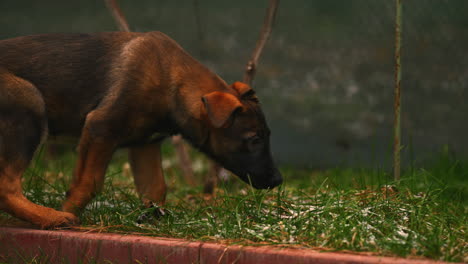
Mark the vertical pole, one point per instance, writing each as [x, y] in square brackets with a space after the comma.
[397, 102]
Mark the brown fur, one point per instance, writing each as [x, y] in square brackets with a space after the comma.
[117, 90]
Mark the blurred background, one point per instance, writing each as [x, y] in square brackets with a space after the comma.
[326, 76]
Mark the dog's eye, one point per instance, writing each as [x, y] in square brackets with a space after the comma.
[250, 136]
[254, 142]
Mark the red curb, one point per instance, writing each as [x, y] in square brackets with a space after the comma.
[214, 253]
[18, 245]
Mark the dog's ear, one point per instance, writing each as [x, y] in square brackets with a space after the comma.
[245, 91]
[220, 107]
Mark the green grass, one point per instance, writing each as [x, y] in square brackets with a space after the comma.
[425, 214]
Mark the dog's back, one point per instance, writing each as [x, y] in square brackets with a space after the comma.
[74, 65]
[59, 60]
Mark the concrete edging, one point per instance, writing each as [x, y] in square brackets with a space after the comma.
[18, 244]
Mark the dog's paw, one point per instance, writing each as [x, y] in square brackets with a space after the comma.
[59, 220]
[154, 212]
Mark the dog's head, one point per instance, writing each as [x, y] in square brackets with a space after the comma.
[239, 137]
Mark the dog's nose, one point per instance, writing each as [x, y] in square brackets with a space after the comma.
[276, 180]
[267, 181]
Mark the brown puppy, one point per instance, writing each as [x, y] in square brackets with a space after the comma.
[119, 90]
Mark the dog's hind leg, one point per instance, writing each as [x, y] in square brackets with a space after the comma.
[22, 125]
[94, 153]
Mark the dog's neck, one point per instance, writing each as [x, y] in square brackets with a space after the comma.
[187, 98]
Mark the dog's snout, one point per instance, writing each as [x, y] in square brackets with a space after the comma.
[271, 181]
[276, 180]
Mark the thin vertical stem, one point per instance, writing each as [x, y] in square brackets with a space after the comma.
[397, 102]
[118, 15]
[264, 35]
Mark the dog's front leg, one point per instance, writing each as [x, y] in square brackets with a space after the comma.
[94, 154]
[145, 162]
